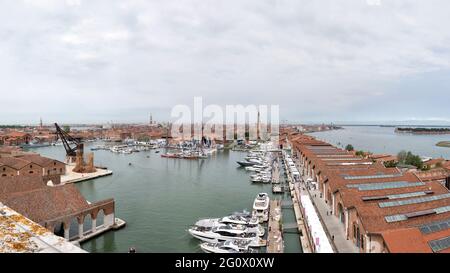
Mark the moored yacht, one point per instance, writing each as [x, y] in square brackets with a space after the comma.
[246, 163]
[223, 233]
[230, 246]
[261, 207]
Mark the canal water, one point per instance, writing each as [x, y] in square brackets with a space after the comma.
[160, 198]
[385, 140]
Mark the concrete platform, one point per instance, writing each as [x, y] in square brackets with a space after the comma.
[275, 242]
[87, 235]
[73, 177]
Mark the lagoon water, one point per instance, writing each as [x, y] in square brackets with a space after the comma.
[384, 140]
[160, 198]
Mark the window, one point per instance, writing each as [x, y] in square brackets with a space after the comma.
[60, 170]
[362, 242]
[48, 172]
[4, 169]
[31, 166]
[30, 172]
[4, 174]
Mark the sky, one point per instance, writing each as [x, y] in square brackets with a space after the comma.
[103, 61]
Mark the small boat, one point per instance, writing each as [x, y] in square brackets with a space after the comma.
[170, 155]
[230, 246]
[157, 151]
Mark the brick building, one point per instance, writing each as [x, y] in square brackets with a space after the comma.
[373, 203]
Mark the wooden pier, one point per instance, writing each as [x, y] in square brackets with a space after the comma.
[275, 243]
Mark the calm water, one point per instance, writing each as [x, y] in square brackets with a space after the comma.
[159, 198]
[385, 140]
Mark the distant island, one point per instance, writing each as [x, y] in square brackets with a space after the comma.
[443, 144]
[423, 130]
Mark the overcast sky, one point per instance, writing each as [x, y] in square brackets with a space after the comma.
[320, 60]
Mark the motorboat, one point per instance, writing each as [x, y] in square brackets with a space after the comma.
[253, 226]
[260, 180]
[264, 176]
[261, 207]
[170, 155]
[230, 246]
[245, 163]
[223, 233]
[241, 218]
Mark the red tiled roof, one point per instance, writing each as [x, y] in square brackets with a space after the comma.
[406, 240]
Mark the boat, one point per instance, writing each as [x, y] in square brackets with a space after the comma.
[237, 220]
[35, 144]
[260, 180]
[217, 222]
[170, 155]
[246, 163]
[223, 233]
[261, 207]
[230, 246]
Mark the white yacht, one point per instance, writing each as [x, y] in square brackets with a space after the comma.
[261, 207]
[238, 218]
[224, 233]
[230, 246]
[260, 180]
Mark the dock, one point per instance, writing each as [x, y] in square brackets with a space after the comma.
[275, 242]
[89, 234]
[73, 177]
[302, 228]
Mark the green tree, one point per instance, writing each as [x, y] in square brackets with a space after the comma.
[349, 147]
[66, 128]
[390, 164]
[359, 153]
[409, 158]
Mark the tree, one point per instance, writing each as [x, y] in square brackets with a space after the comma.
[402, 155]
[66, 128]
[360, 153]
[349, 147]
[409, 158]
[390, 164]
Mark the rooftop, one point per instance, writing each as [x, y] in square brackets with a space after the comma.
[20, 234]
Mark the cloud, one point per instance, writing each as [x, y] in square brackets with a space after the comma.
[82, 61]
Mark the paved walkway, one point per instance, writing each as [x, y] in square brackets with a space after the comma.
[334, 226]
[275, 238]
[73, 177]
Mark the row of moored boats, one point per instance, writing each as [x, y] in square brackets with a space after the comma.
[260, 164]
[240, 232]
